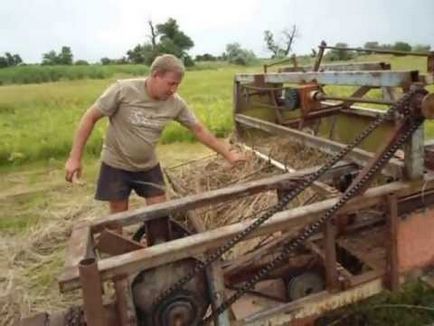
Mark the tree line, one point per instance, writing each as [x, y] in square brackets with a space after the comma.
[169, 38]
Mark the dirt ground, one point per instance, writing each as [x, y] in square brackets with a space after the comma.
[38, 209]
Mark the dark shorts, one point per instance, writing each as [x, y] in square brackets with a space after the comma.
[116, 184]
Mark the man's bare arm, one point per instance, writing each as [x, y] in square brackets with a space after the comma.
[73, 164]
[221, 147]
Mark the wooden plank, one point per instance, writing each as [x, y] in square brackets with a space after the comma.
[200, 243]
[359, 156]
[215, 196]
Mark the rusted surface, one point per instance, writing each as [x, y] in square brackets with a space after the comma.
[330, 256]
[200, 243]
[314, 304]
[416, 240]
[92, 293]
[125, 306]
[368, 246]
[357, 155]
[158, 230]
[392, 230]
[115, 244]
[79, 245]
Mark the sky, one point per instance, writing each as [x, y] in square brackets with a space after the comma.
[108, 28]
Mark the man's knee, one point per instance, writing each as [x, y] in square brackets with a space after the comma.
[117, 206]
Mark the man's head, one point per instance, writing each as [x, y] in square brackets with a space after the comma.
[165, 76]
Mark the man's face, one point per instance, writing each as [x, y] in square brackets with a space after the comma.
[165, 85]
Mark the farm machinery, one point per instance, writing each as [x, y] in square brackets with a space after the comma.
[369, 228]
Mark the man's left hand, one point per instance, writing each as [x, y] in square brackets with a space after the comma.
[235, 157]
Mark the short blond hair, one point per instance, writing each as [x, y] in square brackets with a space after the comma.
[167, 62]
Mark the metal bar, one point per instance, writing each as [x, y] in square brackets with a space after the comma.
[314, 304]
[359, 156]
[330, 257]
[415, 54]
[200, 243]
[392, 229]
[355, 99]
[92, 293]
[124, 303]
[414, 155]
[319, 56]
[323, 188]
[115, 244]
[357, 66]
[213, 272]
[79, 245]
[209, 197]
[376, 78]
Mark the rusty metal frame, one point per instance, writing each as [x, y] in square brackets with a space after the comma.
[197, 244]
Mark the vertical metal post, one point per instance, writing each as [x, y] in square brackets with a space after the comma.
[330, 256]
[414, 155]
[319, 56]
[92, 293]
[392, 227]
[124, 303]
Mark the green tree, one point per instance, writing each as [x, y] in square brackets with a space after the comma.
[237, 55]
[164, 38]
[64, 57]
[81, 63]
[421, 48]
[402, 46]
[10, 60]
[284, 48]
[340, 54]
[372, 45]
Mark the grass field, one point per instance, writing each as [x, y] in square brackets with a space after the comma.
[37, 122]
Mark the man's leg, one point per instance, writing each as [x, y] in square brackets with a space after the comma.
[113, 186]
[155, 199]
[117, 206]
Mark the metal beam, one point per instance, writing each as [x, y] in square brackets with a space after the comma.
[377, 78]
[359, 156]
[356, 66]
[312, 305]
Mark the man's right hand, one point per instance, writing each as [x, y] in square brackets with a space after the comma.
[73, 170]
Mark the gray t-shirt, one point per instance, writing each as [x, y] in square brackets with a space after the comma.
[136, 123]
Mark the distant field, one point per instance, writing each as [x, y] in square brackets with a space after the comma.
[37, 121]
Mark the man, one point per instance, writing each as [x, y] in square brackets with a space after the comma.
[138, 111]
